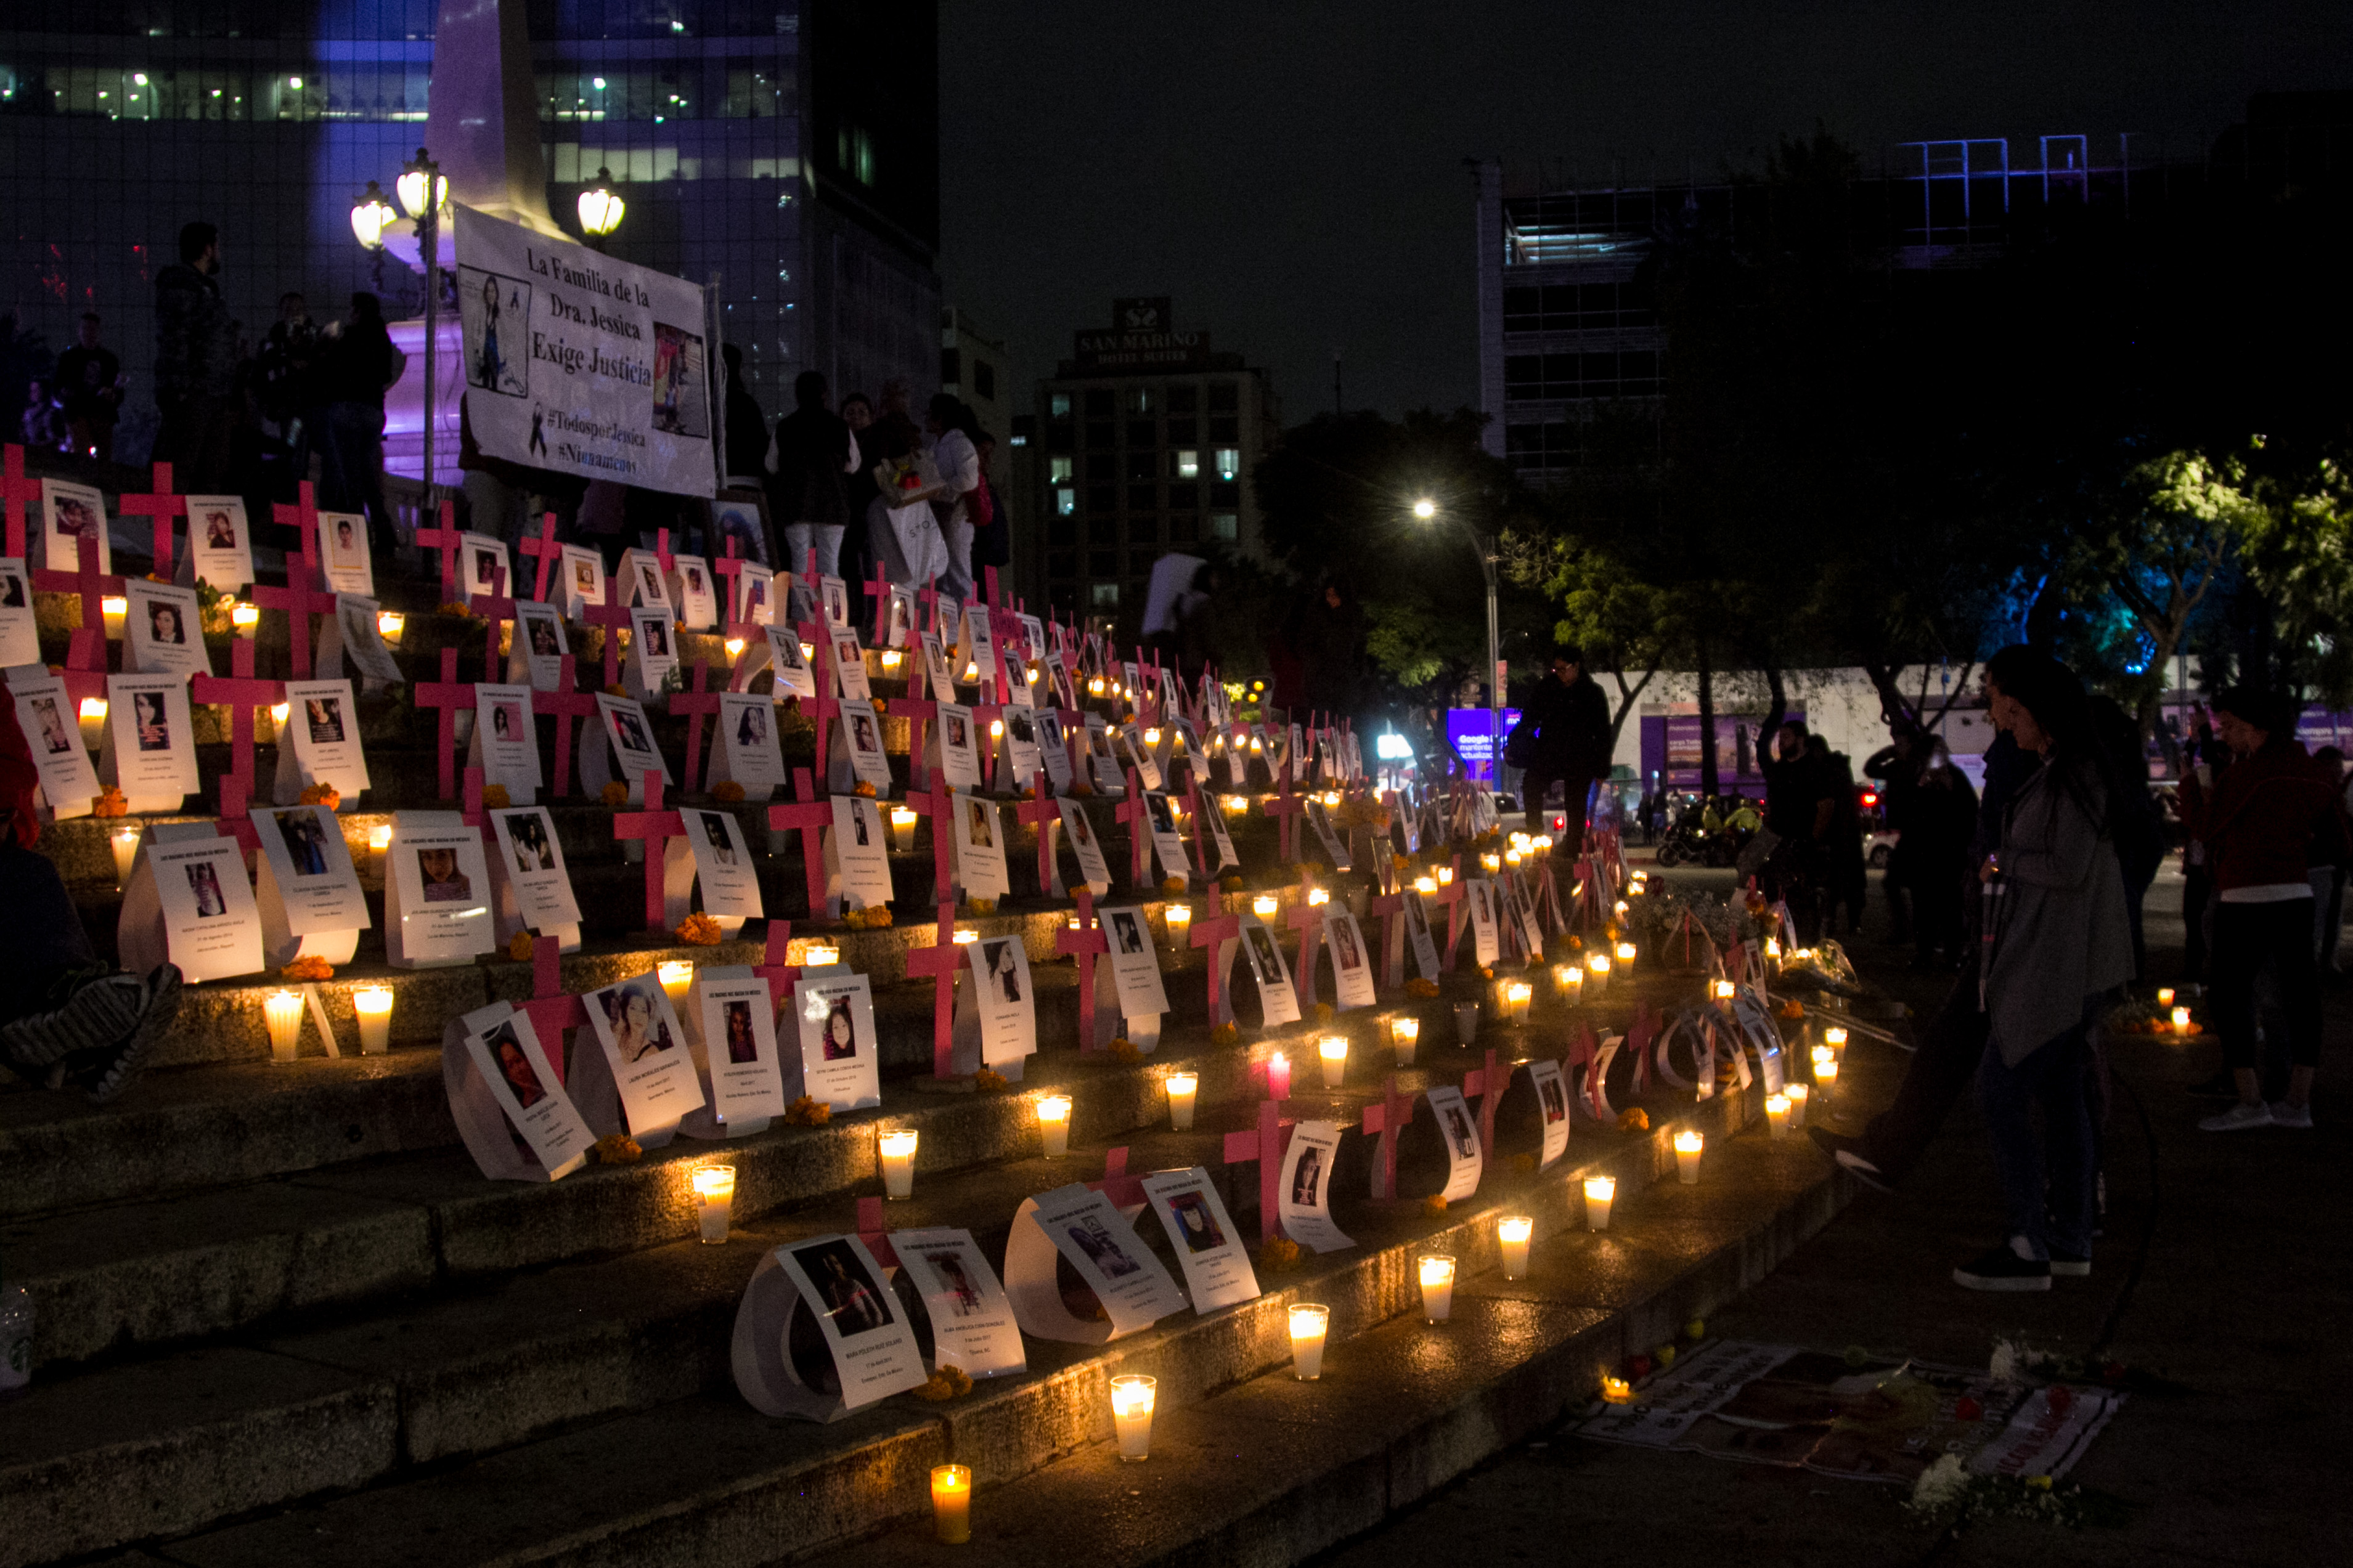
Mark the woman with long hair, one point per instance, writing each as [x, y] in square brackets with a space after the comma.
[2055, 909]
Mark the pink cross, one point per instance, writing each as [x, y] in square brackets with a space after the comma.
[927, 603]
[1639, 1037]
[552, 1008]
[1487, 1083]
[243, 694]
[1042, 811]
[1285, 807]
[90, 583]
[697, 705]
[940, 960]
[1084, 942]
[449, 540]
[657, 827]
[568, 703]
[824, 707]
[1200, 826]
[20, 499]
[939, 804]
[877, 588]
[543, 547]
[1390, 907]
[1123, 1190]
[1266, 1142]
[162, 506]
[919, 713]
[1386, 1120]
[303, 517]
[728, 568]
[872, 1228]
[810, 815]
[235, 818]
[1137, 815]
[496, 609]
[1451, 897]
[613, 615]
[448, 694]
[1207, 932]
[782, 974]
[299, 601]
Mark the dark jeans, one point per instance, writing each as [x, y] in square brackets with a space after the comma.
[2194, 889]
[1536, 783]
[1939, 1074]
[2049, 1199]
[41, 933]
[1936, 903]
[355, 471]
[2244, 936]
[194, 439]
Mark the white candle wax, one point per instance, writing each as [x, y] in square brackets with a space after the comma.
[1688, 1145]
[952, 1503]
[1600, 1192]
[283, 1012]
[676, 975]
[1406, 1035]
[1334, 1050]
[1797, 1094]
[1309, 1325]
[1437, 1286]
[1514, 1232]
[1054, 1124]
[715, 1201]
[1777, 1115]
[373, 1004]
[1131, 1413]
[898, 1148]
[125, 843]
[1182, 1087]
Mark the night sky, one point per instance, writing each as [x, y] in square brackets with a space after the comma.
[1292, 174]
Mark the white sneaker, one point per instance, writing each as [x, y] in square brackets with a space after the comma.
[2242, 1117]
[2286, 1115]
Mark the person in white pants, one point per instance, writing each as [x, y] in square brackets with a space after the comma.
[815, 450]
[950, 424]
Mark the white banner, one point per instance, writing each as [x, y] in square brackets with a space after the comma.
[580, 363]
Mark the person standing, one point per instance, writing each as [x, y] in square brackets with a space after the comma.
[1328, 636]
[195, 365]
[750, 458]
[1563, 737]
[809, 498]
[2328, 878]
[895, 532]
[1798, 813]
[957, 457]
[359, 366]
[1846, 877]
[89, 387]
[2060, 946]
[992, 531]
[860, 490]
[2204, 759]
[2273, 813]
[43, 422]
[1939, 812]
[1895, 769]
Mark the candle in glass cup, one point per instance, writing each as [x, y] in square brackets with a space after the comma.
[1826, 1075]
[1406, 1034]
[283, 1012]
[1777, 1115]
[1334, 1049]
[1426, 885]
[820, 955]
[390, 623]
[1437, 1286]
[93, 721]
[112, 609]
[246, 619]
[1266, 906]
[1466, 1021]
[1835, 1039]
[2165, 996]
[952, 1503]
[1625, 956]
[1723, 989]
[2181, 1020]
[1182, 1087]
[1309, 1325]
[379, 842]
[1054, 1124]
[1797, 1094]
[1514, 1233]
[1600, 1192]
[1180, 923]
[676, 975]
[1278, 1077]
[1688, 1144]
[1571, 978]
[1131, 1413]
[125, 843]
[1597, 973]
[1518, 996]
[1446, 876]
[902, 828]
[715, 1201]
[898, 1150]
[373, 1004]
[1318, 895]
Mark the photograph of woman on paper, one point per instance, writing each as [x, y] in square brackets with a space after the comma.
[631, 731]
[847, 1292]
[861, 734]
[714, 829]
[12, 591]
[346, 546]
[959, 736]
[506, 721]
[164, 626]
[533, 852]
[306, 842]
[326, 718]
[1004, 961]
[220, 533]
[1164, 819]
[444, 882]
[155, 730]
[963, 1296]
[840, 1032]
[752, 728]
[657, 638]
[1196, 1223]
[1344, 945]
[1082, 830]
[204, 881]
[638, 1028]
[583, 576]
[1555, 1103]
[977, 829]
[1105, 1253]
[56, 739]
[743, 1046]
[515, 1068]
[1264, 959]
[1129, 931]
[1465, 1136]
[860, 832]
[544, 643]
[1307, 1178]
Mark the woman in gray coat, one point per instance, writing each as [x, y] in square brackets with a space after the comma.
[2061, 943]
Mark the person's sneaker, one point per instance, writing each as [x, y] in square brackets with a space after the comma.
[2242, 1118]
[2065, 1267]
[2286, 1115]
[97, 1035]
[1848, 1152]
[2006, 1267]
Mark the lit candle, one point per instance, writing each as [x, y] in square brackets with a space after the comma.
[995, 728]
[1798, 1094]
[1466, 1021]
[1318, 895]
[1235, 805]
[1777, 1115]
[2165, 996]
[1131, 1413]
[892, 659]
[1182, 1087]
[1616, 1391]
[1772, 947]
[1309, 1325]
[808, 651]
[390, 623]
[126, 850]
[1723, 989]
[1620, 907]
[1278, 1077]
[1600, 1192]
[1688, 1144]
[734, 649]
[1571, 980]
[676, 975]
[1180, 921]
[715, 1201]
[1152, 737]
[113, 608]
[1518, 996]
[1437, 1286]
[93, 721]
[373, 1006]
[1446, 876]
[1095, 686]
[1826, 1075]
[1406, 1034]
[899, 1163]
[1597, 970]
[1512, 858]
[820, 955]
[282, 1011]
[1054, 1124]
[379, 843]
[965, 934]
[1514, 1232]
[2181, 1020]
[902, 828]
[1491, 862]
[245, 618]
[1426, 885]
[1626, 955]
[1334, 1049]
[1835, 1039]
[952, 1503]
[278, 713]
[1266, 906]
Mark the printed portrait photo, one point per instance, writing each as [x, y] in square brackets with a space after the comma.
[1017, 725]
[583, 576]
[1263, 956]
[346, 541]
[1344, 946]
[12, 591]
[743, 1045]
[1163, 817]
[1082, 830]
[1102, 1249]
[1307, 1178]
[1555, 1102]
[220, 530]
[527, 831]
[638, 1028]
[963, 1296]
[633, 732]
[163, 625]
[72, 517]
[57, 738]
[486, 566]
[714, 827]
[155, 730]
[859, 830]
[325, 717]
[544, 643]
[1002, 961]
[959, 733]
[204, 881]
[861, 733]
[1129, 932]
[515, 1066]
[657, 637]
[506, 721]
[977, 829]
[692, 577]
[1049, 729]
[444, 882]
[840, 1032]
[847, 1293]
[1196, 1223]
[752, 728]
[306, 842]
[650, 584]
[1416, 919]
[1464, 1135]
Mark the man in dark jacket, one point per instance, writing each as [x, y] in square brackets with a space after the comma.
[1564, 735]
[196, 363]
[809, 496]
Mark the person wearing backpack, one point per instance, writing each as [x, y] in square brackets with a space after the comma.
[1563, 737]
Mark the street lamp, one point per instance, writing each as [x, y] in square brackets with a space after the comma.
[600, 209]
[1426, 511]
[370, 216]
[420, 174]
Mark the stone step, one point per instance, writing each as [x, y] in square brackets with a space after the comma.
[703, 1479]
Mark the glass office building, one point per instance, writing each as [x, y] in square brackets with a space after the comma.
[786, 148]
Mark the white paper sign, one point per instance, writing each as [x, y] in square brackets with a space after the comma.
[793, 673]
[1167, 844]
[582, 583]
[506, 742]
[160, 631]
[744, 749]
[1486, 938]
[1054, 750]
[755, 595]
[353, 633]
[540, 645]
[212, 927]
[723, 863]
[580, 363]
[862, 731]
[436, 891]
[71, 514]
[220, 548]
[839, 1050]
[531, 857]
[1207, 1244]
[972, 1322]
[306, 883]
[980, 867]
[642, 1047]
[1352, 965]
[344, 566]
[510, 1063]
[954, 753]
[1080, 831]
[20, 632]
[850, 666]
[857, 860]
[45, 714]
[630, 735]
[736, 1020]
[1136, 969]
[873, 1349]
[1088, 1230]
[150, 741]
[1006, 999]
[1303, 1194]
[1020, 722]
[1460, 1130]
[652, 654]
[1277, 993]
[1418, 934]
[320, 743]
[1552, 1095]
[640, 580]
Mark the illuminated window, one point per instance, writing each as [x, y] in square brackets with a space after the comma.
[1058, 405]
[1225, 525]
[1229, 462]
[1103, 595]
[1058, 470]
[1139, 400]
[1188, 464]
[1066, 502]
